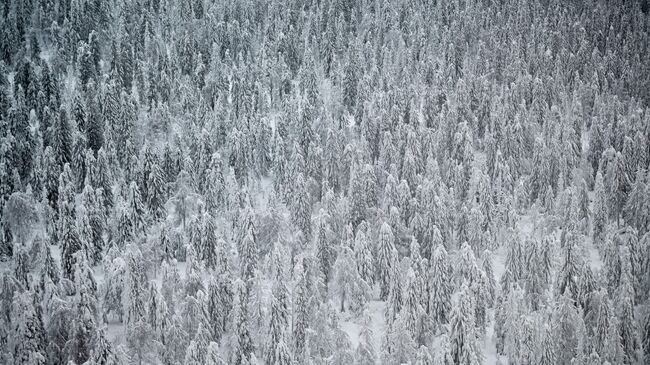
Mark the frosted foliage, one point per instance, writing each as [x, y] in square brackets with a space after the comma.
[324, 182]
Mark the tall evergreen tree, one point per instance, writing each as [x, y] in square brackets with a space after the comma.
[242, 345]
[385, 259]
[463, 340]
[439, 287]
[62, 139]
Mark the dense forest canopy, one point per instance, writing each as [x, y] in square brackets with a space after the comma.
[324, 182]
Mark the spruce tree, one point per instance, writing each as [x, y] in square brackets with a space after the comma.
[385, 259]
[28, 336]
[301, 212]
[439, 287]
[363, 257]
[135, 211]
[209, 250]
[242, 345]
[248, 250]
[463, 341]
[278, 324]
[103, 352]
[325, 254]
[62, 139]
[625, 310]
[352, 290]
[156, 191]
[357, 195]
[301, 311]
[69, 237]
[412, 311]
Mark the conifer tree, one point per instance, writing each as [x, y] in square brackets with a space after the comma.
[83, 329]
[156, 191]
[352, 290]
[103, 352]
[275, 347]
[28, 336]
[463, 340]
[50, 268]
[209, 250]
[301, 212]
[398, 346]
[636, 207]
[625, 310]
[385, 259]
[102, 178]
[324, 251]
[439, 287]
[69, 236]
[242, 344]
[220, 301]
[568, 275]
[567, 322]
[62, 139]
[597, 319]
[301, 311]
[21, 270]
[248, 250]
[547, 352]
[412, 311]
[395, 298]
[135, 210]
[357, 195]
[363, 257]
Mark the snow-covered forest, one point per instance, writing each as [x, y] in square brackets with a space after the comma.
[430, 182]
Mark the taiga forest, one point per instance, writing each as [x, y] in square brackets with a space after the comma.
[325, 182]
